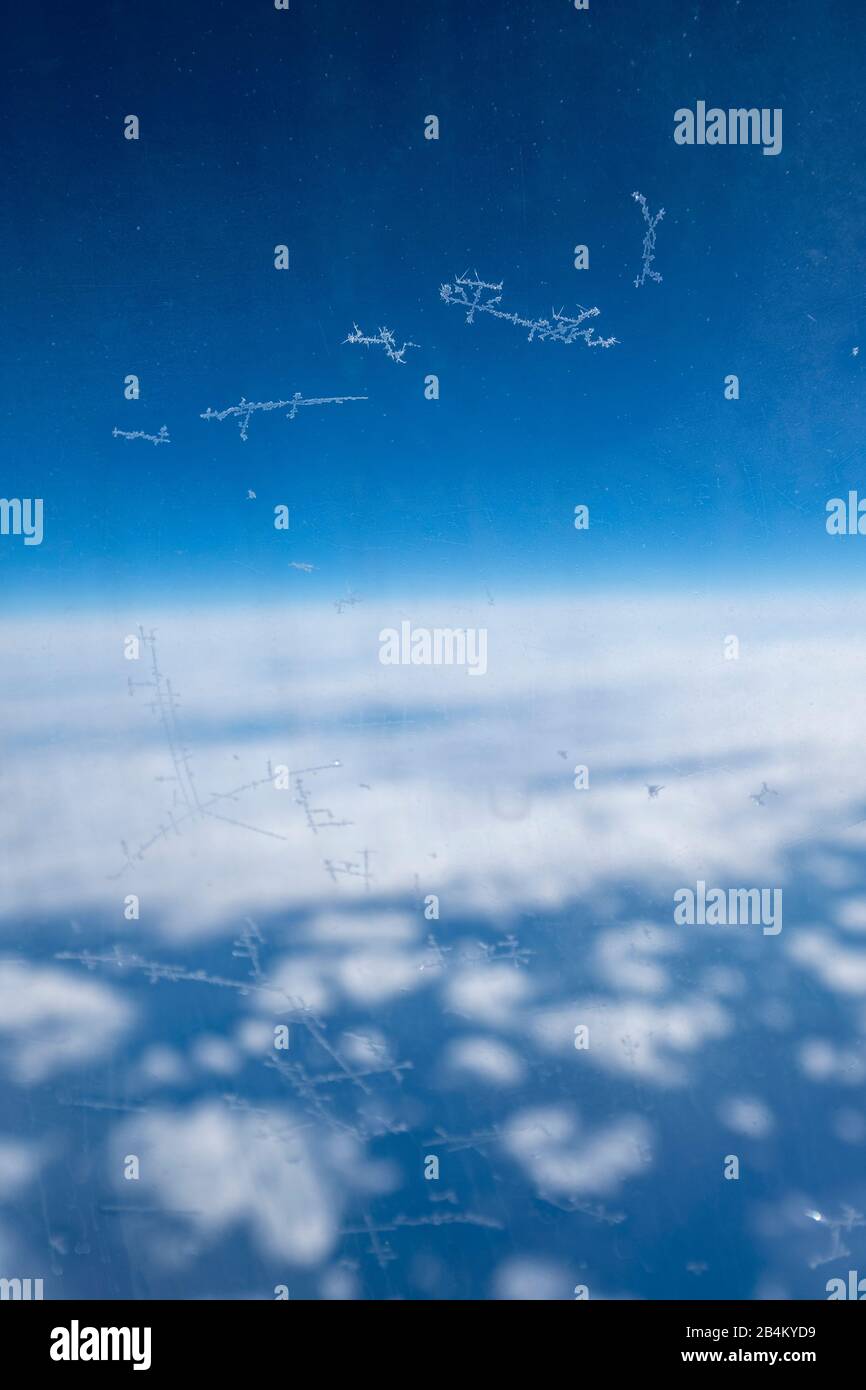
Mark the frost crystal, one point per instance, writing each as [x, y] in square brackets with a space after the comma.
[245, 409]
[351, 867]
[161, 438]
[560, 328]
[649, 242]
[187, 802]
[384, 338]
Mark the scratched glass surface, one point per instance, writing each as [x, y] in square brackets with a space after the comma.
[331, 968]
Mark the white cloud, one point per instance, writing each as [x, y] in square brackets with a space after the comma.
[490, 994]
[840, 969]
[217, 1169]
[160, 1065]
[53, 1020]
[530, 1277]
[564, 1160]
[19, 1165]
[625, 957]
[485, 1059]
[455, 785]
[747, 1115]
[825, 1061]
[851, 914]
[215, 1054]
[633, 1036]
[371, 977]
[360, 928]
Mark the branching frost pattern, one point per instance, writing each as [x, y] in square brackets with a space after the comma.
[385, 339]
[245, 409]
[481, 297]
[649, 243]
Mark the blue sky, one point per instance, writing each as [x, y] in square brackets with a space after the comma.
[306, 128]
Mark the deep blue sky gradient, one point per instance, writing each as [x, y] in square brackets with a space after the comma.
[260, 127]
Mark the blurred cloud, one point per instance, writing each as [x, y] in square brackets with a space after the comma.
[564, 1159]
[747, 1115]
[53, 1020]
[215, 1170]
[485, 1059]
[632, 1035]
[527, 1277]
[553, 909]
[428, 759]
[19, 1165]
